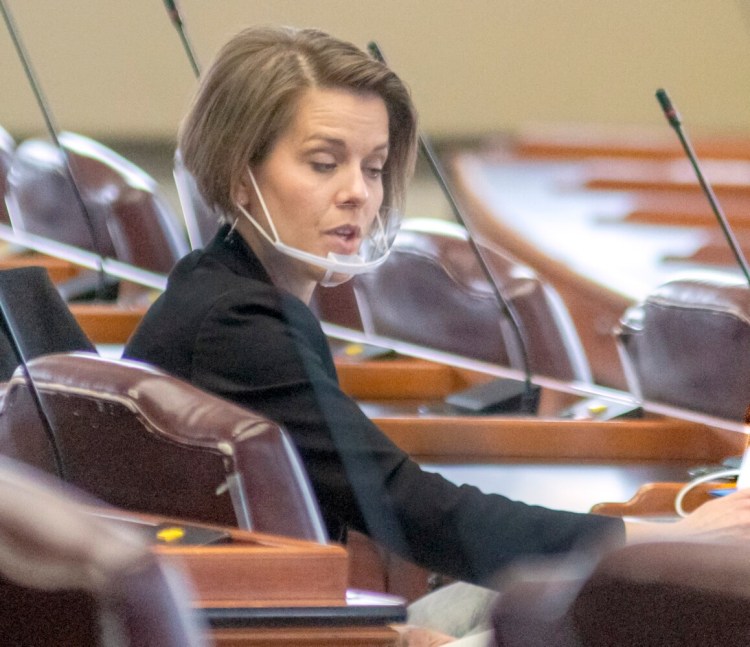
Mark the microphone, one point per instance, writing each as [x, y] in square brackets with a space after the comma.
[176, 18]
[500, 395]
[52, 130]
[673, 117]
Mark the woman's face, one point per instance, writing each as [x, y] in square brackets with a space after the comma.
[322, 181]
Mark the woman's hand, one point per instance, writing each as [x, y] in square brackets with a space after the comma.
[411, 636]
[723, 519]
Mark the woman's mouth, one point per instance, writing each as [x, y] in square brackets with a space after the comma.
[347, 238]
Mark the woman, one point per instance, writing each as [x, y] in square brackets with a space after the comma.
[304, 145]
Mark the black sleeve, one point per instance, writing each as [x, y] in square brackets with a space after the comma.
[269, 356]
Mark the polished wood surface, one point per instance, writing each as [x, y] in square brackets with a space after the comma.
[544, 460]
[258, 570]
[103, 322]
[587, 140]
[256, 589]
[108, 323]
[306, 637]
[399, 395]
[656, 500]
[58, 269]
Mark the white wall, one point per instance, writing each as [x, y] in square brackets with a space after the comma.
[116, 69]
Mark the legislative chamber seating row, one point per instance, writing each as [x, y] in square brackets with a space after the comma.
[639, 331]
[664, 279]
[113, 210]
[432, 276]
[444, 283]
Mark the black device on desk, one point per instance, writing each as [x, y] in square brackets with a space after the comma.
[497, 396]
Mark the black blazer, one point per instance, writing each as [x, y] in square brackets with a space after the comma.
[222, 325]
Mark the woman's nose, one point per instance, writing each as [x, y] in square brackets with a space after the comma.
[354, 189]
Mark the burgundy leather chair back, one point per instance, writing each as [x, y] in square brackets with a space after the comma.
[59, 587]
[7, 148]
[663, 594]
[687, 344]
[432, 292]
[142, 440]
[128, 218]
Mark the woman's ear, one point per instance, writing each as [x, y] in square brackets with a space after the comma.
[243, 190]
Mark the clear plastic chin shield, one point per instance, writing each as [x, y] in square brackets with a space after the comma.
[374, 249]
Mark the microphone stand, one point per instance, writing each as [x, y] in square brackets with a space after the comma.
[673, 117]
[505, 394]
[176, 18]
[675, 121]
[53, 130]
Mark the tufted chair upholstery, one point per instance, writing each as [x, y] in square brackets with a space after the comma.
[687, 344]
[142, 440]
[432, 292]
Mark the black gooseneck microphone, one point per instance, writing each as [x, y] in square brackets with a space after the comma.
[673, 117]
[53, 130]
[176, 17]
[500, 395]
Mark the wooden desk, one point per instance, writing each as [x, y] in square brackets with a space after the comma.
[107, 323]
[261, 590]
[545, 460]
[588, 140]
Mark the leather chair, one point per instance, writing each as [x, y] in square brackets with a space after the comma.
[71, 577]
[142, 440]
[664, 594]
[432, 292]
[687, 344]
[7, 148]
[126, 217]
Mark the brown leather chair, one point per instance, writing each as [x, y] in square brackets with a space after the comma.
[664, 594]
[687, 344]
[71, 577]
[7, 148]
[432, 292]
[126, 217]
[142, 440]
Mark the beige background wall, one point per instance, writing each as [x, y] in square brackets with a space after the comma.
[116, 69]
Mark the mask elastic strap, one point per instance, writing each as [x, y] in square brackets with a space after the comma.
[263, 205]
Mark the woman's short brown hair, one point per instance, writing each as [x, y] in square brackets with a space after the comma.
[248, 97]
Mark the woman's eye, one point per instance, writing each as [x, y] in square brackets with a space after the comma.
[323, 167]
[374, 172]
